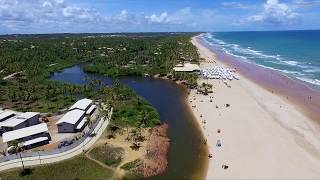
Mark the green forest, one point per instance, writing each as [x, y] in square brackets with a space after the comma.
[33, 59]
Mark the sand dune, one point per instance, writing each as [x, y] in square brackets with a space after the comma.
[263, 136]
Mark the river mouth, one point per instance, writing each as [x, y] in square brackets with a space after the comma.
[187, 155]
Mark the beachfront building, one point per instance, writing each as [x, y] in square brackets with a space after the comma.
[75, 119]
[28, 137]
[187, 67]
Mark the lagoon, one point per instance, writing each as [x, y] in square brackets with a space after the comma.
[187, 156]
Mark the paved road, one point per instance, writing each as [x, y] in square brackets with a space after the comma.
[47, 159]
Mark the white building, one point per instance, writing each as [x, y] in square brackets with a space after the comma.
[29, 137]
[4, 115]
[72, 121]
[187, 67]
[91, 109]
[20, 121]
[83, 104]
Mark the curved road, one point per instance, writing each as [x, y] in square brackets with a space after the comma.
[47, 159]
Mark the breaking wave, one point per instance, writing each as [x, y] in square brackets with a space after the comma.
[298, 69]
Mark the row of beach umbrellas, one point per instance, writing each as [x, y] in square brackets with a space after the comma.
[218, 72]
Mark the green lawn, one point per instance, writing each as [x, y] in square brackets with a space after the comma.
[77, 168]
[108, 155]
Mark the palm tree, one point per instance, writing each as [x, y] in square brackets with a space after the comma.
[89, 121]
[104, 109]
[143, 118]
[17, 148]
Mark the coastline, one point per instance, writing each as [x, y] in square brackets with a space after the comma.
[263, 134]
[293, 90]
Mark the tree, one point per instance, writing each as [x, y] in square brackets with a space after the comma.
[17, 148]
[143, 118]
[89, 121]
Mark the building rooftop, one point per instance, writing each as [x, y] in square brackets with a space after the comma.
[14, 121]
[187, 67]
[82, 104]
[34, 141]
[24, 132]
[28, 115]
[91, 109]
[82, 123]
[6, 114]
[71, 117]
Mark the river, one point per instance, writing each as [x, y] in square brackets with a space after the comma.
[187, 156]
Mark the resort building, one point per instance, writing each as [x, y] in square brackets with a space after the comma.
[187, 67]
[28, 137]
[91, 109]
[4, 115]
[20, 121]
[83, 104]
[74, 120]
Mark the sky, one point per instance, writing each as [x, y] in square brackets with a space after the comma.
[102, 16]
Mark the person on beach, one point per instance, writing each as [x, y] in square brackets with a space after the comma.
[219, 143]
[225, 166]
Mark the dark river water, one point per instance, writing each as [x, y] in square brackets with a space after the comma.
[187, 156]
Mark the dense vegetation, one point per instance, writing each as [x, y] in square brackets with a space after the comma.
[138, 56]
[34, 58]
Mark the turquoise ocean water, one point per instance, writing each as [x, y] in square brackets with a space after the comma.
[295, 53]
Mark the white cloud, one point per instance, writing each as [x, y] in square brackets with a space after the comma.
[304, 3]
[50, 16]
[238, 5]
[26, 15]
[162, 18]
[275, 12]
[47, 4]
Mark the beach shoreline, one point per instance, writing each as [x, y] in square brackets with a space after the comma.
[291, 89]
[263, 134]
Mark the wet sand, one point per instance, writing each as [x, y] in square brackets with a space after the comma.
[262, 133]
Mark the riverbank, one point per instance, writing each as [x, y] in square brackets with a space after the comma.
[169, 99]
[133, 152]
[262, 134]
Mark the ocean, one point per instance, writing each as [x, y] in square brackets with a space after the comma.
[294, 53]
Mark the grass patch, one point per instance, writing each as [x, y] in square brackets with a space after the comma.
[131, 165]
[77, 168]
[132, 175]
[111, 156]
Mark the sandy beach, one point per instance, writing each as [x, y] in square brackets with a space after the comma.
[263, 136]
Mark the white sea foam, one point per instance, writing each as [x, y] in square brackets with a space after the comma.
[248, 54]
[292, 63]
[312, 70]
[311, 81]
[292, 72]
